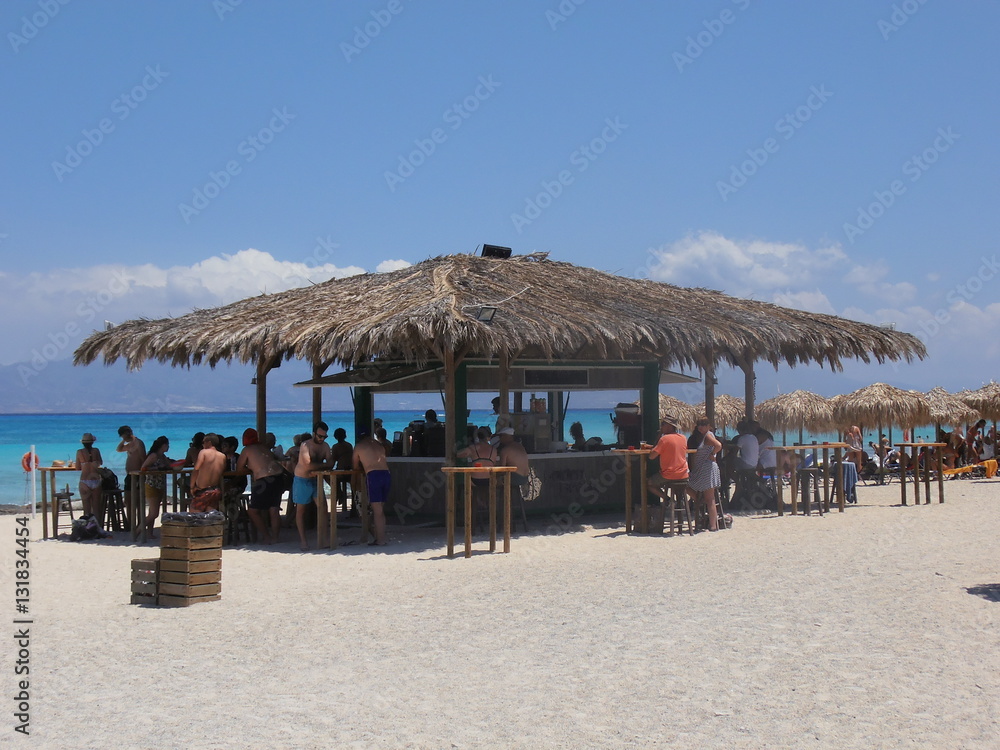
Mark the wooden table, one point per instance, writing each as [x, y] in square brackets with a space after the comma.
[916, 472]
[642, 453]
[51, 471]
[356, 483]
[628, 454]
[468, 471]
[837, 458]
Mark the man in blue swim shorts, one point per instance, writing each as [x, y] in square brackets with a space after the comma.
[369, 457]
[314, 455]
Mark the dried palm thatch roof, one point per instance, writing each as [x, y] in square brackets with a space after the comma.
[729, 410]
[545, 309]
[796, 410]
[685, 413]
[884, 405]
[946, 408]
[985, 400]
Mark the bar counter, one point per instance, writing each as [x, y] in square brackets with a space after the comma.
[572, 484]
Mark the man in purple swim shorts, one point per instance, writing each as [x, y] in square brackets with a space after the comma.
[369, 457]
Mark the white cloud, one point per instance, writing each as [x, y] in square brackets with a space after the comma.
[391, 265]
[744, 268]
[810, 301]
[61, 306]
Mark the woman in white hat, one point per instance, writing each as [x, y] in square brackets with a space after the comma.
[88, 461]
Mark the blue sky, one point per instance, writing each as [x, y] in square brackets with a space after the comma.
[838, 157]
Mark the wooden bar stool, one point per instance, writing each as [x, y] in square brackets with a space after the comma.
[679, 506]
[809, 480]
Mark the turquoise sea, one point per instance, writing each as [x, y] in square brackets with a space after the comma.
[56, 437]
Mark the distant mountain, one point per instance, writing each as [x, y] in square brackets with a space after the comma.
[59, 387]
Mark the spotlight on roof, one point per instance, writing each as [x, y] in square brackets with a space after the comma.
[495, 251]
[485, 314]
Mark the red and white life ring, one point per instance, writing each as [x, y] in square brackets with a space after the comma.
[27, 459]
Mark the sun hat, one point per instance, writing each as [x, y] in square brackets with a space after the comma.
[506, 431]
[669, 419]
[88, 437]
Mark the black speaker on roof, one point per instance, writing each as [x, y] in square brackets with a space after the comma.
[495, 251]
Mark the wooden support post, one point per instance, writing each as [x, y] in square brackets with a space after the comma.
[468, 515]
[940, 473]
[450, 513]
[492, 510]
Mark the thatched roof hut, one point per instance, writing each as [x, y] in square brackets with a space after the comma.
[545, 309]
[795, 411]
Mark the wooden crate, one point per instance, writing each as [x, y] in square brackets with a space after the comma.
[145, 576]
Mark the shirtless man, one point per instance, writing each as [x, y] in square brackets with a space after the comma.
[88, 461]
[267, 487]
[136, 456]
[340, 454]
[512, 453]
[369, 457]
[314, 456]
[206, 479]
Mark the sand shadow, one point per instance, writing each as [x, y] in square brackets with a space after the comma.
[989, 591]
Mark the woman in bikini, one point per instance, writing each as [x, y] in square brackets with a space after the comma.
[481, 453]
[156, 484]
[88, 461]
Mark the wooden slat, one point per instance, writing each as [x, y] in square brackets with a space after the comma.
[165, 600]
[146, 563]
[180, 589]
[192, 555]
[190, 566]
[172, 528]
[196, 542]
[144, 588]
[142, 599]
[190, 579]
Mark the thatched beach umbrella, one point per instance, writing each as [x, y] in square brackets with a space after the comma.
[946, 408]
[686, 413]
[796, 410]
[985, 400]
[882, 405]
[729, 411]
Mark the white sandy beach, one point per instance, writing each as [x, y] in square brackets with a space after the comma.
[851, 630]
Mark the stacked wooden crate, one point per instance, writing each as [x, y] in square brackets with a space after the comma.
[190, 564]
[145, 575]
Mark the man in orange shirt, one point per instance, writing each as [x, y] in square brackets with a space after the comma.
[671, 450]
